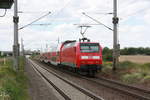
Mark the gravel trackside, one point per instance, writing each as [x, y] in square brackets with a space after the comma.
[38, 89]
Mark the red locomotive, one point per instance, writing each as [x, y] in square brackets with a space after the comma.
[80, 56]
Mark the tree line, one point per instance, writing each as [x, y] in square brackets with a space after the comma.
[135, 51]
[107, 53]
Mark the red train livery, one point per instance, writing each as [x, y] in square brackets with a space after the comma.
[81, 56]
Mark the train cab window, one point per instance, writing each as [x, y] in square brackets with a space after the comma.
[89, 47]
[72, 44]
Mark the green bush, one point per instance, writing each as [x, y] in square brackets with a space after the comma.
[132, 78]
[107, 54]
[146, 66]
[4, 95]
[13, 83]
[15, 88]
[127, 65]
[146, 78]
[107, 66]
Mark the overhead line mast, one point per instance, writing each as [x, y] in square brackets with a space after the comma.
[116, 45]
[16, 44]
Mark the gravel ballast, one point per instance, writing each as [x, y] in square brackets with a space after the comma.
[38, 89]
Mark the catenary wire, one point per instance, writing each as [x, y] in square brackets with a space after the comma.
[98, 21]
[34, 21]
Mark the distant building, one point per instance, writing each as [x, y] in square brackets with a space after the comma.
[10, 53]
[6, 53]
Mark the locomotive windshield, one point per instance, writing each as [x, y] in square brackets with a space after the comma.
[89, 47]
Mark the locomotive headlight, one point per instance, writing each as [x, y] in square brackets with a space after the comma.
[96, 57]
[84, 57]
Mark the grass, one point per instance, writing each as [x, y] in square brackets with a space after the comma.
[13, 85]
[128, 72]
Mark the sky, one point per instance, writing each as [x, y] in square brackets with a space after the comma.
[133, 27]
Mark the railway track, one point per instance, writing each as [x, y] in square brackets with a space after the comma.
[128, 89]
[137, 93]
[71, 92]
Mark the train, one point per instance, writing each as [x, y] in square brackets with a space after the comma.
[83, 56]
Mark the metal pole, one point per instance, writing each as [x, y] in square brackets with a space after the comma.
[16, 44]
[115, 38]
[22, 47]
[58, 40]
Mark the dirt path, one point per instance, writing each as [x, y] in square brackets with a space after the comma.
[38, 89]
[141, 59]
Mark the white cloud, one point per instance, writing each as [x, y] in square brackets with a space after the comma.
[65, 13]
[147, 17]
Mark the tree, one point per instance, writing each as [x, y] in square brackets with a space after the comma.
[107, 54]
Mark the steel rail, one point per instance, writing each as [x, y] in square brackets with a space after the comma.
[125, 85]
[83, 90]
[127, 92]
[59, 90]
